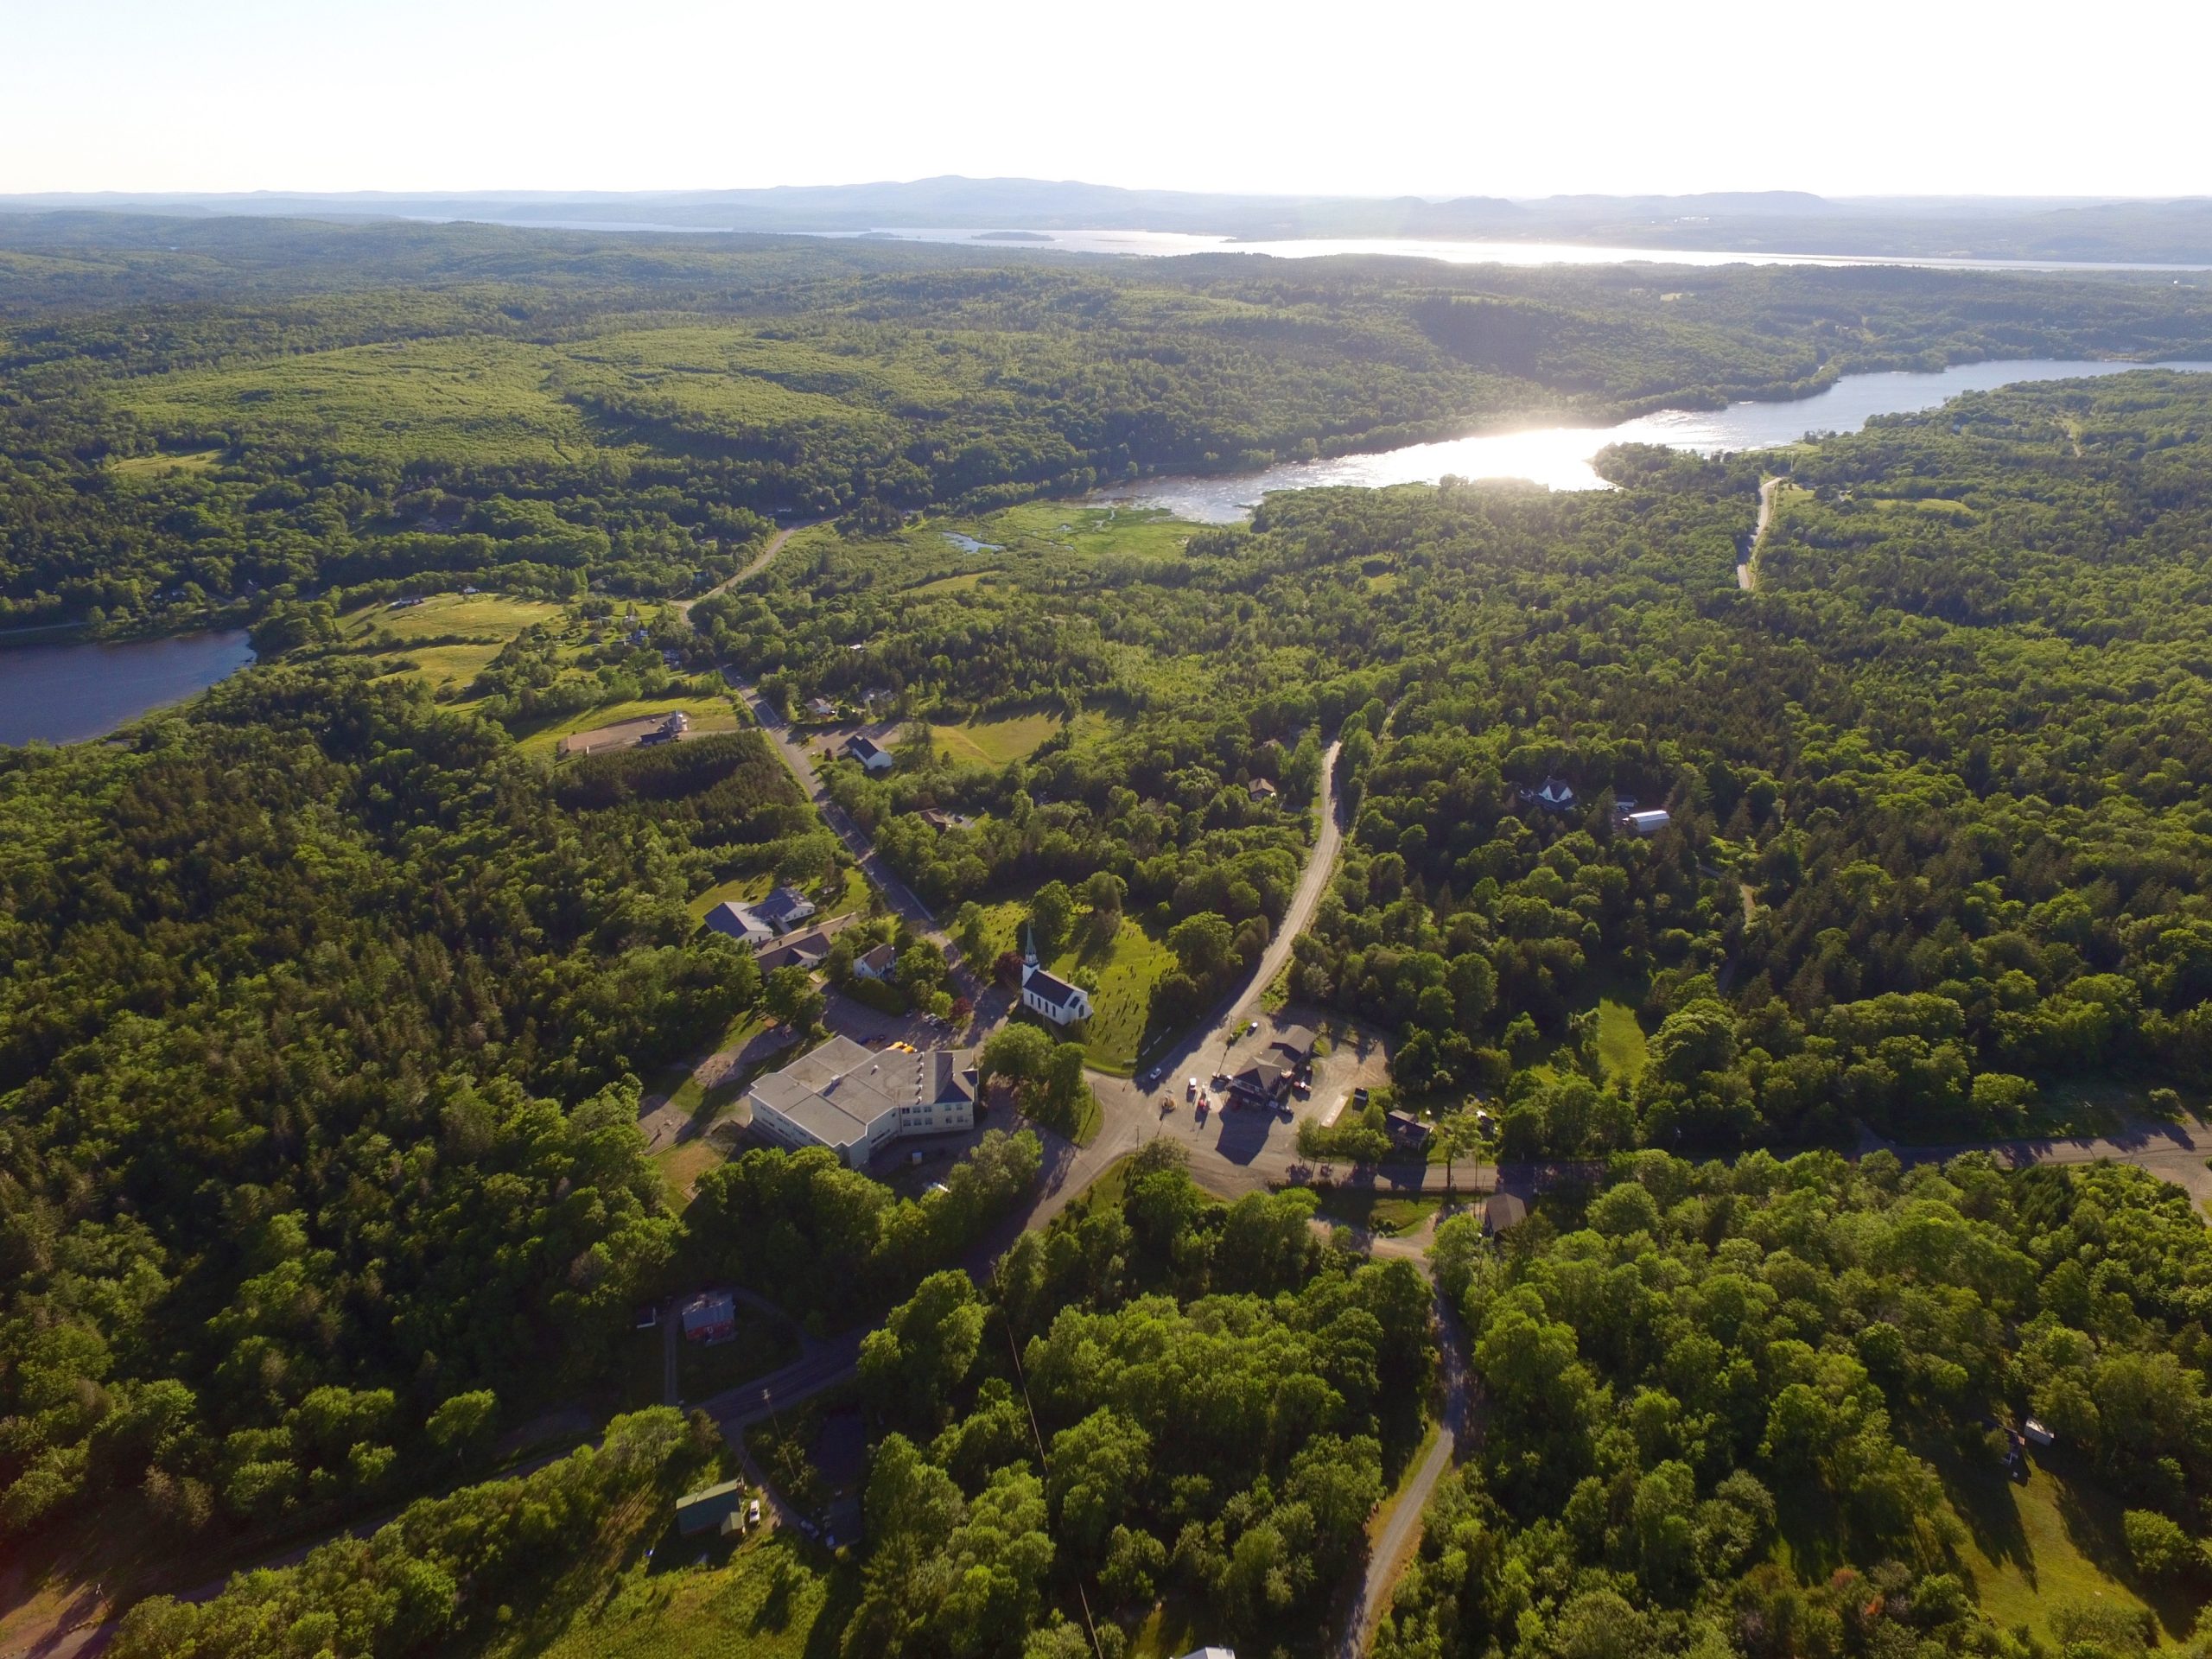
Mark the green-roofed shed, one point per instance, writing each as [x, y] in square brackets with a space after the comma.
[705, 1510]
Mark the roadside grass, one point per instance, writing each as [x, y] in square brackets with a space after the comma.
[776, 1597]
[994, 742]
[714, 713]
[1377, 1212]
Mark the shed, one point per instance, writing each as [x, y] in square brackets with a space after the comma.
[1645, 824]
[706, 1509]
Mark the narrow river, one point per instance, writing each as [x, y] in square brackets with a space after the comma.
[1558, 456]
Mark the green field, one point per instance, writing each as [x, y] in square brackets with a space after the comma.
[771, 1601]
[994, 742]
[1621, 1043]
[488, 620]
[161, 466]
[489, 400]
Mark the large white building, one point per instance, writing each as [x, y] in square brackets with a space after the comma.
[856, 1103]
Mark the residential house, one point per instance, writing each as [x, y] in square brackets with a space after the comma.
[1503, 1211]
[711, 1316]
[855, 1103]
[784, 908]
[1554, 795]
[1260, 790]
[1642, 823]
[878, 964]
[806, 950]
[742, 923]
[706, 1509]
[939, 820]
[871, 755]
[1406, 1129]
[822, 707]
[1047, 996]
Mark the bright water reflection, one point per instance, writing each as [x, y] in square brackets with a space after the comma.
[1559, 457]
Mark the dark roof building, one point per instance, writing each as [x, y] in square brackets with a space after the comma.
[1553, 794]
[742, 923]
[784, 907]
[1502, 1212]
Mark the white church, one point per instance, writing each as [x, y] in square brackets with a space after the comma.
[1048, 996]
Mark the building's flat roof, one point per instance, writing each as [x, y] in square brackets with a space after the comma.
[834, 1092]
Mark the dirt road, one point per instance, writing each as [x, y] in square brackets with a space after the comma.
[1747, 573]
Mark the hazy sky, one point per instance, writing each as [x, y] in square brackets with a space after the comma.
[1379, 97]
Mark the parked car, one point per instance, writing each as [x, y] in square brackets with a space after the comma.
[752, 1513]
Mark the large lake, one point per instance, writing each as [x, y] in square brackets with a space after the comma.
[64, 693]
[1558, 456]
[1169, 243]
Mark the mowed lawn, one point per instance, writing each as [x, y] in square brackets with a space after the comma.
[2035, 1545]
[708, 714]
[1119, 974]
[770, 1601]
[994, 742]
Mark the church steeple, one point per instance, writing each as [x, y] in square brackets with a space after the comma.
[1029, 944]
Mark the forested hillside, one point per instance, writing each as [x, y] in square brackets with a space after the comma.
[318, 1050]
[201, 419]
[1939, 832]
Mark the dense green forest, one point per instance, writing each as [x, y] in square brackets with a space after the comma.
[319, 1052]
[221, 419]
[1751, 1410]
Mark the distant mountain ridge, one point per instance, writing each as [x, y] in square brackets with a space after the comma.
[2095, 229]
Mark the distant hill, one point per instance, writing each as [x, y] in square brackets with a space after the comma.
[2159, 232]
